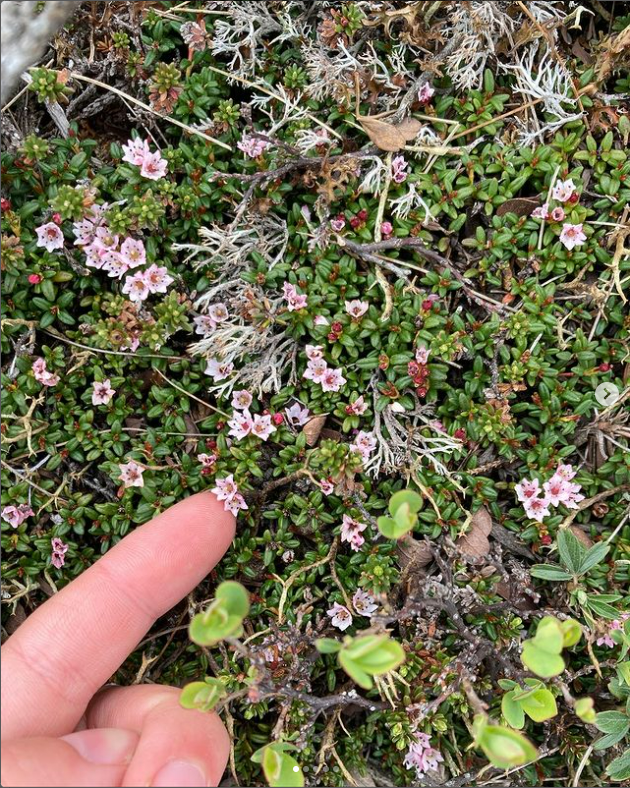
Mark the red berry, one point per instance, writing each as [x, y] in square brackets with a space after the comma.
[546, 539]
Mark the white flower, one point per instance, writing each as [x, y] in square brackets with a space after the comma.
[563, 190]
[131, 474]
[340, 615]
[296, 415]
[102, 392]
[218, 370]
[364, 603]
[572, 235]
[49, 236]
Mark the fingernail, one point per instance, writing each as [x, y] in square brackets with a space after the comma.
[104, 745]
[183, 774]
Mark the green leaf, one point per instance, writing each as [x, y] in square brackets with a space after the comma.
[601, 608]
[571, 550]
[327, 645]
[512, 711]
[392, 529]
[279, 768]
[571, 632]
[409, 497]
[549, 572]
[202, 695]
[594, 556]
[541, 654]
[503, 747]
[540, 706]
[619, 769]
[584, 708]
[370, 655]
[224, 616]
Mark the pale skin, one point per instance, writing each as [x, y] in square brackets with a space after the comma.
[60, 726]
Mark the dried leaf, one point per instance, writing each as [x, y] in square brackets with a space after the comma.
[413, 551]
[585, 539]
[474, 543]
[521, 206]
[388, 137]
[313, 428]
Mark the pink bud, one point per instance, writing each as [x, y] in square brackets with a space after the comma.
[56, 217]
[35, 279]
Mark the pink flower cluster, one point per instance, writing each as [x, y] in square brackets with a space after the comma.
[243, 423]
[351, 532]
[42, 373]
[131, 474]
[363, 603]
[102, 392]
[16, 515]
[206, 324]
[364, 443]
[337, 224]
[252, 146]
[357, 308]
[615, 626]
[58, 552]
[319, 372]
[294, 299]
[558, 490]
[572, 235]
[227, 491]
[421, 756]
[207, 462]
[425, 93]
[399, 169]
[138, 153]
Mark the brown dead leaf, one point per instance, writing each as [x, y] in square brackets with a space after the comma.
[313, 428]
[521, 206]
[582, 537]
[413, 551]
[474, 543]
[387, 136]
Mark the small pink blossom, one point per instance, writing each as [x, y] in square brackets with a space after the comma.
[42, 374]
[326, 486]
[294, 299]
[49, 236]
[526, 490]
[351, 530]
[252, 146]
[572, 235]
[614, 626]
[204, 325]
[240, 424]
[421, 756]
[16, 515]
[225, 488]
[133, 252]
[157, 278]
[422, 355]
[58, 552]
[358, 407]
[218, 370]
[102, 392]
[263, 427]
[606, 640]
[364, 603]
[135, 151]
[333, 380]
[357, 308]
[338, 223]
[207, 460]
[219, 312]
[153, 166]
[106, 238]
[566, 472]
[399, 167]
[241, 399]
[114, 264]
[235, 504]
[131, 474]
[316, 370]
[296, 415]
[558, 214]
[320, 320]
[425, 93]
[364, 443]
[314, 352]
[84, 232]
[563, 190]
[387, 228]
[136, 287]
[95, 255]
[340, 616]
[573, 497]
[537, 508]
[542, 212]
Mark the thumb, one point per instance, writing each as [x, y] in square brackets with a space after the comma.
[97, 757]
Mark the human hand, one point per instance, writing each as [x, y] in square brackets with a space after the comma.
[59, 728]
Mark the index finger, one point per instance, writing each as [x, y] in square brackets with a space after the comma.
[72, 644]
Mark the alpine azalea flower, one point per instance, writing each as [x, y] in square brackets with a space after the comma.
[226, 488]
[242, 399]
[252, 146]
[157, 278]
[135, 151]
[218, 370]
[49, 236]
[387, 228]
[218, 312]
[235, 504]
[320, 320]
[399, 167]
[421, 756]
[526, 490]
[364, 603]
[563, 190]
[296, 415]
[294, 299]
[340, 616]
[313, 352]
[357, 308]
[58, 552]
[42, 373]
[131, 474]
[357, 408]
[204, 325]
[338, 224]
[326, 486]
[558, 214]
[542, 212]
[537, 508]
[315, 370]
[102, 392]
[262, 427]
[16, 515]
[332, 380]
[364, 443]
[153, 166]
[133, 252]
[572, 235]
[207, 460]
[106, 239]
[136, 287]
[351, 531]
[422, 355]
[240, 424]
[425, 93]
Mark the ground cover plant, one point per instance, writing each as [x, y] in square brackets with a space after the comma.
[358, 268]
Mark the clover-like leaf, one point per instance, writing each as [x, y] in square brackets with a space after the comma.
[409, 497]
[223, 618]
[202, 695]
[541, 654]
[370, 655]
[503, 747]
[327, 645]
[540, 705]
[280, 769]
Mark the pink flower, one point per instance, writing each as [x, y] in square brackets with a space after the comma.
[364, 603]
[136, 287]
[16, 515]
[114, 264]
[35, 279]
[133, 252]
[357, 408]
[326, 486]
[542, 212]
[563, 190]
[204, 325]
[153, 166]
[399, 166]
[131, 474]
[157, 278]
[558, 214]
[422, 355]
[573, 496]
[572, 235]
[242, 399]
[333, 380]
[425, 93]
[106, 238]
[49, 236]
[387, 228]
[96, 255]
[102, 392]
[338, 224]
[240, 424]
[340, 616]
[296, 415]
[566, 472]
[252, 146]
[351, 531]
[58, 554]
[294, 299]
[537, 508]
[226, 488]
[421, 756]
[84, 232]
[263, 427]
[42, 374]
[218, 370]
[135, 151]
[557, 490]
[320, 320]
[314, 352]
[207, 460]
[606, 640]
[526, 490]
[316, 370]
[218, 312]
[357, 308]
[364, 443]
[235, 504]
